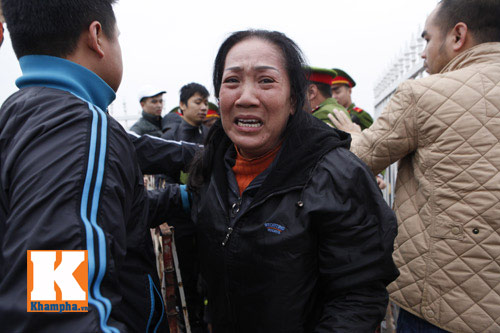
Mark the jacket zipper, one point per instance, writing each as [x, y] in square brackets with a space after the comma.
[235, 208]
[226, 273]
[226, 239]
[228, 234]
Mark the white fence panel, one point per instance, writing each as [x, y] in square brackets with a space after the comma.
[407, 65]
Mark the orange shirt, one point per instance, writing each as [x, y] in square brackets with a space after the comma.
[246, 169]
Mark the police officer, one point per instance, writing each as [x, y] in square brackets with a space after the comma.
[342, 85]
[319, 93]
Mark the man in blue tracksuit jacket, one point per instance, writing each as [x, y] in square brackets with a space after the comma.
[69, 177]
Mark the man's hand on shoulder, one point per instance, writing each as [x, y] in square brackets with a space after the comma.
[343, 123]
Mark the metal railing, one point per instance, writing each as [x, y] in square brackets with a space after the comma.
[407, 65]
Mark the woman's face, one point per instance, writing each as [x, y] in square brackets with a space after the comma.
[255, 96]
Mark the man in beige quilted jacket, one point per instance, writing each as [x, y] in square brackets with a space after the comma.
[445, 132]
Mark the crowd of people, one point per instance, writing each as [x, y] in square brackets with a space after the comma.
[274, 193]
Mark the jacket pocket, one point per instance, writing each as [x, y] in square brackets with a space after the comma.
[446, 229]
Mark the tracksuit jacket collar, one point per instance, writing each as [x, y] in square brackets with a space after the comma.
[59, 73]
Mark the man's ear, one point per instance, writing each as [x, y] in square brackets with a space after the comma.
[460, 34]
[312, 92]
[182, 106]
[95, 38]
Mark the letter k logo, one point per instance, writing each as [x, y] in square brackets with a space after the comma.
[46, 269]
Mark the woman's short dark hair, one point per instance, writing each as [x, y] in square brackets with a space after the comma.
[481, 16]
[188, 90]
[53, 27]
[292, 56]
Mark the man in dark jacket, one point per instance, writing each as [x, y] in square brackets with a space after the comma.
[69, 178]
[151, 100]
[194, 106]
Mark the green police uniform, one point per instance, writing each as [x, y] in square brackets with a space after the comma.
[324, 109]
[325, 77]
[360, 116]
[357, 115]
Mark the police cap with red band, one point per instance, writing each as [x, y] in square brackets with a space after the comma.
[321, 75]
[213, 110]
[343, 78]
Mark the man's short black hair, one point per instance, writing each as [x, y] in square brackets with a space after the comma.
[324, 89]
[481, 16]
[53, 27]
[190, 89]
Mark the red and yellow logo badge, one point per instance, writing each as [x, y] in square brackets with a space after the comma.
[57, 281]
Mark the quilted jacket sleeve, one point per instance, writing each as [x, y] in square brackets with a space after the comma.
[356, 231]
[392, 136]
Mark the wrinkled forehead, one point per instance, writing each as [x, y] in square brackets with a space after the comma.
[254, 51]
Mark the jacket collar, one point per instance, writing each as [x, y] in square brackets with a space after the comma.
[189, 127]
[62, 74]
[327, 101]
[307, 140]
[481, 53]
[155, 120]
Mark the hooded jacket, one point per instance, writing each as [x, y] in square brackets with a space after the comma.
[310, 251]
[444, 129]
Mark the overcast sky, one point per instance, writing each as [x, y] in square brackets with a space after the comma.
[171, 43]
